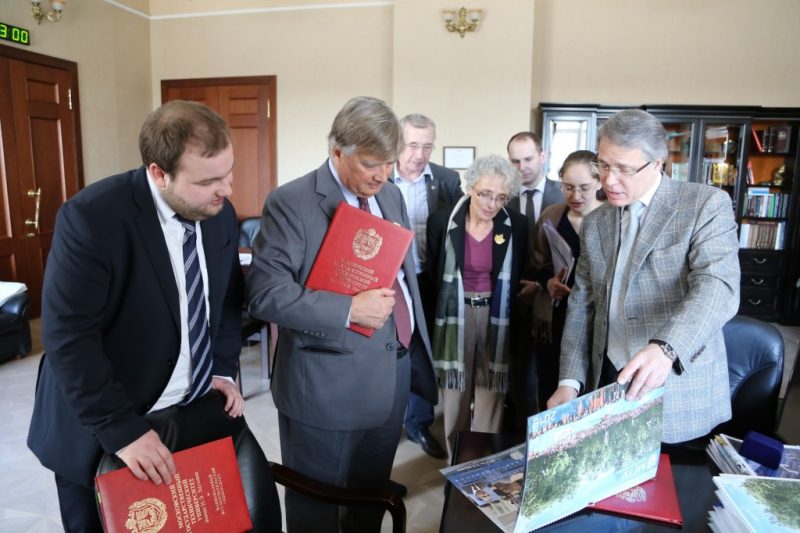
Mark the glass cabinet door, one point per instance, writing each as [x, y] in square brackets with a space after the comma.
[722, 154]
[679, 143]
[563, 133]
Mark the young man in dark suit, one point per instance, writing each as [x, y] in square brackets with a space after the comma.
[537, 193]
[141, 313]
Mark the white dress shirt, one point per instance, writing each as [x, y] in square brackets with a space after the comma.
[415, 194]
[537, 198]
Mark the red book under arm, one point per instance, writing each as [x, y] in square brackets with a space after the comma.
[656, 499]
[360, 252]
[206, 495]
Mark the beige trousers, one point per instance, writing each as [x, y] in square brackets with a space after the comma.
[486, 414]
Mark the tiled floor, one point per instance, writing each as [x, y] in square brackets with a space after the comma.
[27, 491]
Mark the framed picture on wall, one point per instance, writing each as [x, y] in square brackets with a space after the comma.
[458, 157]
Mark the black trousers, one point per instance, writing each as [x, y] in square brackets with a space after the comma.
[78, 507]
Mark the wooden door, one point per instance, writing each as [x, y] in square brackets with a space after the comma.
[248, 106]
[40, 164]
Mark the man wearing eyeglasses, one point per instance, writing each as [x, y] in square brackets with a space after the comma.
[657, 278]
[341, 396]
[426, 188]
[537, 193]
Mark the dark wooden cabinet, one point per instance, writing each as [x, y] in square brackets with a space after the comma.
[751, 152]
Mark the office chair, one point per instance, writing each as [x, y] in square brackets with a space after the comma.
[15, 330]
[258, 481]
[260, 492]
[386, 499]
[248, 229]
[755, 371]
[788, 421]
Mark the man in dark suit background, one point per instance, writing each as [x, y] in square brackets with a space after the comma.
[526, 154]
[340, 395]
[537, 193]
[126, 340]
[426, 188]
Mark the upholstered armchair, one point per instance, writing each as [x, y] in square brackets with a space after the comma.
[755, 371]
[15, 331]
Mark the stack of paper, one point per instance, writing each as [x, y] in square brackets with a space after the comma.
[755, 504]
[724, 451]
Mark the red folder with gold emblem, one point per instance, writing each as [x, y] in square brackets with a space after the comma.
[206, 495]
[656, 499]
[359, 252]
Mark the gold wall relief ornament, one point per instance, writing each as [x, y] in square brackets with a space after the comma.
[146, 516]
[499, 239]
[367, 243]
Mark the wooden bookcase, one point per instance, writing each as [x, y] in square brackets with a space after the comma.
[752, 153]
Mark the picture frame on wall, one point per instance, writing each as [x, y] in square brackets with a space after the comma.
[458, 157]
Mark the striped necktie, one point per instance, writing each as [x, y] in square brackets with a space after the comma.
[199, 337]
[402, 319]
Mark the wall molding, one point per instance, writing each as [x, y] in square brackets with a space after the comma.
[276, 9]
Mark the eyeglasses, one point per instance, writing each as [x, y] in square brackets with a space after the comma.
[580, 189]
[488, 197]
[426, 148]
[604, 169]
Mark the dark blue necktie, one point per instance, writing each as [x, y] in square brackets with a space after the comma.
[199, 339]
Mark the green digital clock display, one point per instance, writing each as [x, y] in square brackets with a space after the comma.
[15, 34]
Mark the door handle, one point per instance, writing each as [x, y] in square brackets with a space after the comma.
[37, 193]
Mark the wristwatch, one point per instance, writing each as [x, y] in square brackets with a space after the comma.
[671, 354]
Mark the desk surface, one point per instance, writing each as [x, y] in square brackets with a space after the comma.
[689, 467]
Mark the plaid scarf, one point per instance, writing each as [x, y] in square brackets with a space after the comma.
[448, 330]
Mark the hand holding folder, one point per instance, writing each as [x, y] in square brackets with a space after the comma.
[359, 252]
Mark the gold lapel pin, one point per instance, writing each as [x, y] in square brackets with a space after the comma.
[499, 239]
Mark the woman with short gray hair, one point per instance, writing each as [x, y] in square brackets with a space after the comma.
[477, 254]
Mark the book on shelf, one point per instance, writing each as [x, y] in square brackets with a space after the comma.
[766, 139]
[755, 504]
[205, 495]
[761, 202]
[762, 234]
[781, 138]
[360, 251]
[569, 460]
[756, 140]
[717, 132]
[773, 139]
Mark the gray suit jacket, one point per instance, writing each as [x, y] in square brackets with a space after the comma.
[552, 195]
[326, 376]
[683, 286]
